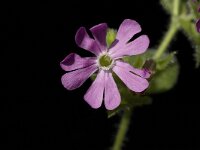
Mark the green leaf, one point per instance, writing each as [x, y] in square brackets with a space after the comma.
[189, 29]
[164, 80]
[167, 5]
[129, 99]
[114, 112]
[136, 61]
[130, 103]
[164, 61]
[188, 25]
[139, 60]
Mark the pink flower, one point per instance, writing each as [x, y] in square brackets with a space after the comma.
[106, 61]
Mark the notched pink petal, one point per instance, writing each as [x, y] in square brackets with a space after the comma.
[99, 32]
[75, 79]
[112, 96]
[127, 30]
[138, 46]
[94, 95]
[74, 61]
[84, 41]
[132, 81]
[144, 73]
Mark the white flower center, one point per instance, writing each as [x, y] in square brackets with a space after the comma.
[104, 61]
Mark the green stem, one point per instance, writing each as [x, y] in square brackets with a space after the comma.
[176, 7]
[173, 28]
[121, 133]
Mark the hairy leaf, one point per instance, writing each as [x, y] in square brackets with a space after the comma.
[164, 80]
[167, 5]
[189, 29]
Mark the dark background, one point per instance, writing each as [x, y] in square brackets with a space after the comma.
[37, 112]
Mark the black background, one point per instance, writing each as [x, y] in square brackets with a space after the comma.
[37, 112]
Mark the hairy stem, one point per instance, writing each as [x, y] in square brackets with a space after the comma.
[121, 133]
[166, 40]
[176, 7]
[170, 34]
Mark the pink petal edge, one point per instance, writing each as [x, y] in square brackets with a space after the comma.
[74, 61]
[84, 41]
[99, 32]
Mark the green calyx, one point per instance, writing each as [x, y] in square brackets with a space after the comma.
[110, 36]
[105, 61]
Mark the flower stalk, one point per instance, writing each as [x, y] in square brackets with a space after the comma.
[170, 34]
[168, 37]
[176, 7]
[123, 128]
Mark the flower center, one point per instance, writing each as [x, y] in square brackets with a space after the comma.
[105, 62]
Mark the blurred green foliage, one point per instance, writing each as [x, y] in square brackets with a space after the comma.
[187, 21]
